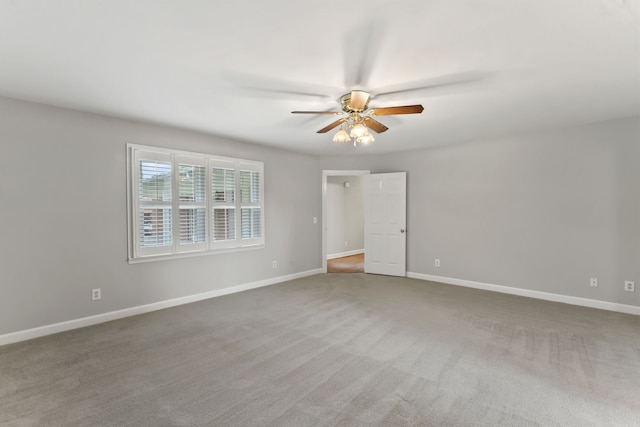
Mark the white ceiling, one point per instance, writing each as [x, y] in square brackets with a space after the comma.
[238, 68]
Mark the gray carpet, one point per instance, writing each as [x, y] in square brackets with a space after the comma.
[335, 350]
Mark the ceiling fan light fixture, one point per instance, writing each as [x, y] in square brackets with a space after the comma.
[365, 139]
[341, 136]
[358, 130]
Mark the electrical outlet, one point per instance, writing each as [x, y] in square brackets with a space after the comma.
[593, 282]
[274, 264]
[315, 219]
[629, 286]
[346, 243]
[437, 262]
[96, 294]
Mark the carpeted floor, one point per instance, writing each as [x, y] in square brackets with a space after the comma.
[335, 350]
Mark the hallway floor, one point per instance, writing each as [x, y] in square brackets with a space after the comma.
[348, 264]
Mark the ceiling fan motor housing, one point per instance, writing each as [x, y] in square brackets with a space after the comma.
[354, 102]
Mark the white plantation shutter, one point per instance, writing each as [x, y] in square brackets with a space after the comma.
[192, 193]
[251, 203]
[187, 202]
[153, 192]
[223, 203]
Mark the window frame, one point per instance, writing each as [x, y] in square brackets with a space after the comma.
[179, 249]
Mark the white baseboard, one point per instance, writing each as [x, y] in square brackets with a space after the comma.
[547, 296]
[343, 254]
[41, 331]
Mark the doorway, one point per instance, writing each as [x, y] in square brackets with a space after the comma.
[384, 218]
[343, 220]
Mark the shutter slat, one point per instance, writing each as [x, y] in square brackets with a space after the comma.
[223, 185]
[155, 226]
[155, 181]
[193, 225]
[224, 224]
[191, 182]
[251, 224]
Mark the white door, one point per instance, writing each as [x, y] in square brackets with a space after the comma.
[385, 217]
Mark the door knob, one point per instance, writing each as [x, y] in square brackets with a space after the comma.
[402, 230]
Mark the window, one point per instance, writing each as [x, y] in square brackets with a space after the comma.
[185, 203]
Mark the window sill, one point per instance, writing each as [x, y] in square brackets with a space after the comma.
[151, 258]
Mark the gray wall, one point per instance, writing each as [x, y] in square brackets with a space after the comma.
[63, 217]
[544, 211]
[345, 214]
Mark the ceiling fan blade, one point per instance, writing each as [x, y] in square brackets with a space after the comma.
[405, 109]
[359, 100]
[288, 92]
[374, 125]
[447, 81]
[361, 47]
[332, 125]
[262, 85]
[316, 112]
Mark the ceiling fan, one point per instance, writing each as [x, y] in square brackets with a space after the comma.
[359, 119]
